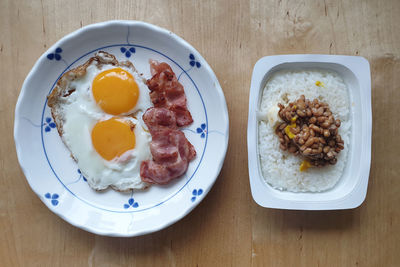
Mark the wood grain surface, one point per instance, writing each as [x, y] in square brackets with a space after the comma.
[227, 228]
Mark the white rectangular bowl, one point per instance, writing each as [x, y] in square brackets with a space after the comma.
[351, 189]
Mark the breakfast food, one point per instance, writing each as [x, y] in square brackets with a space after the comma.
[167, 92]
[90, 117]
[309, 129]
[98, 109]
[169, 147]
[289, 159]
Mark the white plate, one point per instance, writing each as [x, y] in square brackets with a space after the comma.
[351, 190]
[55, 177]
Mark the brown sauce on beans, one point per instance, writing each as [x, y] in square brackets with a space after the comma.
[309, 129]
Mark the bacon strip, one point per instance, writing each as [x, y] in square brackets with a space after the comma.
[169, 147]
[167, 92]
[156, 117]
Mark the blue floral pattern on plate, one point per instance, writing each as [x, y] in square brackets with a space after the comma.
[196, 193]
[193, 62]
[131, 203]
[202, 130]
[128, 52]
[56, 55]
[53, 198]
[49, 125]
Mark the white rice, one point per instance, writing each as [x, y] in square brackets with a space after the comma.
[280, 168]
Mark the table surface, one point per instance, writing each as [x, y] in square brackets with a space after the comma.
[228, 228]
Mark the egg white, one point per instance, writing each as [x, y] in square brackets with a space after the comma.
[81, 112]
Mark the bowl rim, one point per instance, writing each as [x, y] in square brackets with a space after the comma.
[98, 26]
[259, 188]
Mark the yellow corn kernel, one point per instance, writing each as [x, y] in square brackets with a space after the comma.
[305, 165]
[293, 120]
[288, 131]
[319, 83]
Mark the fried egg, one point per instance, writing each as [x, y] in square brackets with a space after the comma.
[102, 124]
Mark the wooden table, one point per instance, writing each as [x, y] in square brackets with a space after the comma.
[227, 228]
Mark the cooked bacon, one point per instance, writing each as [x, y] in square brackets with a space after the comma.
[169, 144]
[170, 149]
[167, 92]
[183, 116]
[156, 117]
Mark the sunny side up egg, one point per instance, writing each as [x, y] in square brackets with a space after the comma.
[103, 127]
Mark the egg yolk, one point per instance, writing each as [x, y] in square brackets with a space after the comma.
[115, 91]
[112, 138]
